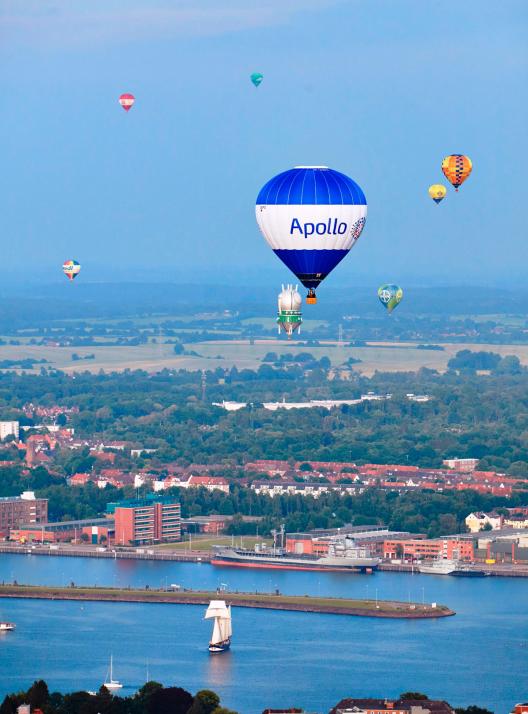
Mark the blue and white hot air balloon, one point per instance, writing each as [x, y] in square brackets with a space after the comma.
[311, 216]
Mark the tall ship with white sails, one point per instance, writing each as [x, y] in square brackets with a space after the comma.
[222, 628]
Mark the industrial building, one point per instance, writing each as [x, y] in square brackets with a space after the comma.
[386, 544]
[16, 510]
[89, 530]
[508, 545]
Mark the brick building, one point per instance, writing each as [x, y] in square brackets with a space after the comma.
[461, 465]
[90, 530]
[16, 510]
[146, 520]
[453, 548]
[415, 548]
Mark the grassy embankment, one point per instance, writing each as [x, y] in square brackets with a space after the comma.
[300, 603]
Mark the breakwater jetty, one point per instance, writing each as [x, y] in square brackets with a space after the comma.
[266, 601]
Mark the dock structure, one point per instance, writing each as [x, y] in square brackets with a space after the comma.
[145, 553]
[267, 601]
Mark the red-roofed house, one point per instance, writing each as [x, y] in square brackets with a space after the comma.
[211, 483]
[80, 479]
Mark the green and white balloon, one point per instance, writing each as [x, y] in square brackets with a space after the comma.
[390, 296]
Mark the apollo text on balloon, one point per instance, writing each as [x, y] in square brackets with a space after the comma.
[331, 227]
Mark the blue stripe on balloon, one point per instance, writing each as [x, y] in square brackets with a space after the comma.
[309, 187]
[311, 266]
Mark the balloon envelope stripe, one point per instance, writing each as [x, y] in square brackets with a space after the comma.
[311, 187]
[312, 263]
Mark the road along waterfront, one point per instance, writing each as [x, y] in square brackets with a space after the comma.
[290, 658]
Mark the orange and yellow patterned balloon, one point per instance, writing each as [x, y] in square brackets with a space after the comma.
[456, 168]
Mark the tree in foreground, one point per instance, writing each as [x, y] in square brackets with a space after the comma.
[205, 702]
[173, 700]
[413, 695]
[151, 698]
[7, 706]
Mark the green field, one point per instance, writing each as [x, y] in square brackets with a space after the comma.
[389, 357]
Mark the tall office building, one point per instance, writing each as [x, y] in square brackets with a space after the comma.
[147, 521]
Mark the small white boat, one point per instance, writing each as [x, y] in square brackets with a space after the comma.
[439, 566]
[222, 628]
[6, 626]
[110, 683]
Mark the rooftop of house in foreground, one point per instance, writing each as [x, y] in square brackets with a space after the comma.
[392, 706]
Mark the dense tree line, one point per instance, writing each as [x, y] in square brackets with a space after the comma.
[469, 414]
[469, 361]
[418, 512]
[151, 698]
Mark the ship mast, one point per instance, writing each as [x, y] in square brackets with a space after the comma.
[222, 628]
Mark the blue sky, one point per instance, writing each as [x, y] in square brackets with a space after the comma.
[378, 89]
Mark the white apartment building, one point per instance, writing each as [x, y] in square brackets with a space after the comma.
[9, 428]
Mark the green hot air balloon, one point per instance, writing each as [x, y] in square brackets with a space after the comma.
[390, 296]
[257, 78]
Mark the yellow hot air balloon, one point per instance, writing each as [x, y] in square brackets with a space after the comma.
[437, 192]
[456, 168]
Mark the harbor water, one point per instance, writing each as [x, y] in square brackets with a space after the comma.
[278, 659]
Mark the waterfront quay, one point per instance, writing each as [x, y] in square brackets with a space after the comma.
[505, 570]
[266, 601]
[79, 551]
[519, 570]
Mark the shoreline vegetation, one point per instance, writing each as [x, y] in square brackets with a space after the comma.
[267, 601]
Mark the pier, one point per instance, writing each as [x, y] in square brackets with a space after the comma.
[266, 601]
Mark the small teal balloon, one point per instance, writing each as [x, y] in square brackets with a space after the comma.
[257, 78]
[390, 296]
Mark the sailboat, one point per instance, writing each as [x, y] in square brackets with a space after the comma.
[222, 630]
[112, 683]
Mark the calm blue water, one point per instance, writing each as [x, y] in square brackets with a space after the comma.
[480, 656]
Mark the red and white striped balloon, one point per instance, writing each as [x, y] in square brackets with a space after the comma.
[127, 101]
